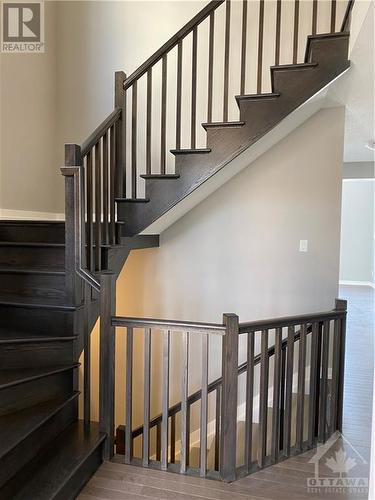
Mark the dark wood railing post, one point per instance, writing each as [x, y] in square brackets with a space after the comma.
[72, 171]
[120, 168]
[107, 361]
[341, 305]
[228, 437]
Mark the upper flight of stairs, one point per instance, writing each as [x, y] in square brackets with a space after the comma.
[45, 451]
[292, 85]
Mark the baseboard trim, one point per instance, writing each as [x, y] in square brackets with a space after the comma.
[9, 214]
[357, 283]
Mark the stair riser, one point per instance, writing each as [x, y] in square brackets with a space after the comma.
[82, 475]
[45, 233]
[36, 321]
[29, 447]
[30, 393]
[32, 285]
[34, 355]
[26, 257]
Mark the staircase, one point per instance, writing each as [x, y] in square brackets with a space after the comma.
[58, 278]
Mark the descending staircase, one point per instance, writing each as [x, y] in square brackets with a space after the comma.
[56, 278]
[45, 451]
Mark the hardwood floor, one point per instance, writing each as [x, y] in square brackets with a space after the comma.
[286, 480]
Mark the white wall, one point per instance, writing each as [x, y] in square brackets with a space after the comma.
[357, 230]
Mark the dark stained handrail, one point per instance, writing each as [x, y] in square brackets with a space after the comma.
[346, 21]
[98, 133]
[269, 324]
[172, 42]
[189, 326]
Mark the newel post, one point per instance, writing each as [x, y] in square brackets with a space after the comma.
[107, 361]
[120, 102]
[341, 305]
[228, 418]
[71, 171]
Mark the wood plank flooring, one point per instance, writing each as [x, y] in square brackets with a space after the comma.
[286, 480]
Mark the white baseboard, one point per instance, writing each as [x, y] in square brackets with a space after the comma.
[357, 283]
[9, 214]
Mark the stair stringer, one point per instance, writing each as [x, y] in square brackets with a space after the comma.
[267, 121]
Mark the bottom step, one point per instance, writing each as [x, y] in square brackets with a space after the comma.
[61, 471]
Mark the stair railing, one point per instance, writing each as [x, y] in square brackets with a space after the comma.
[167, 91]
[300, 346]
[92, 174]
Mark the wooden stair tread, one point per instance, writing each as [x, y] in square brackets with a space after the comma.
[223, 125]
[132, 200]
[36, 244]
[190, 151]
[305, 65]
[16, 426]
[160, 176]
[59, 462]
[35, 302]
[19, 337]
[9, 378]
[51, 271]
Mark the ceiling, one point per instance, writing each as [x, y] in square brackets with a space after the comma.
[356, 90]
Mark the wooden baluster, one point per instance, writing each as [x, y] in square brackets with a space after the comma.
[263, 399]
[112, 188]
[188, 435]
[278, 32]
[243, 47]
[98, 207]
[179, 95]
[158, 442]
[288, 391]
[134, 140]
[146, 397]
[120, 165]
[86, 358]
[228, 441]
[333, 16]
[341, 305]
[105, 189]
[335, 375]
[107, 361]
[324, 384]
[129, 397]
[249, 401]
[295, 36]
[217, 427]
[165, 403]
[318, 379]
[260, 47]
[204, 409]
[282, 397]
[277, 380]
[149, 118]
[210, 66]
[301, 387]
[194, 90]
[313, 384]
[163, 133]
[314, 17]
[184, 403]
[90, 213]
[173, 438]
[226, 60]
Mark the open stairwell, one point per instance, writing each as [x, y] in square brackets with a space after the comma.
[57, 278]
